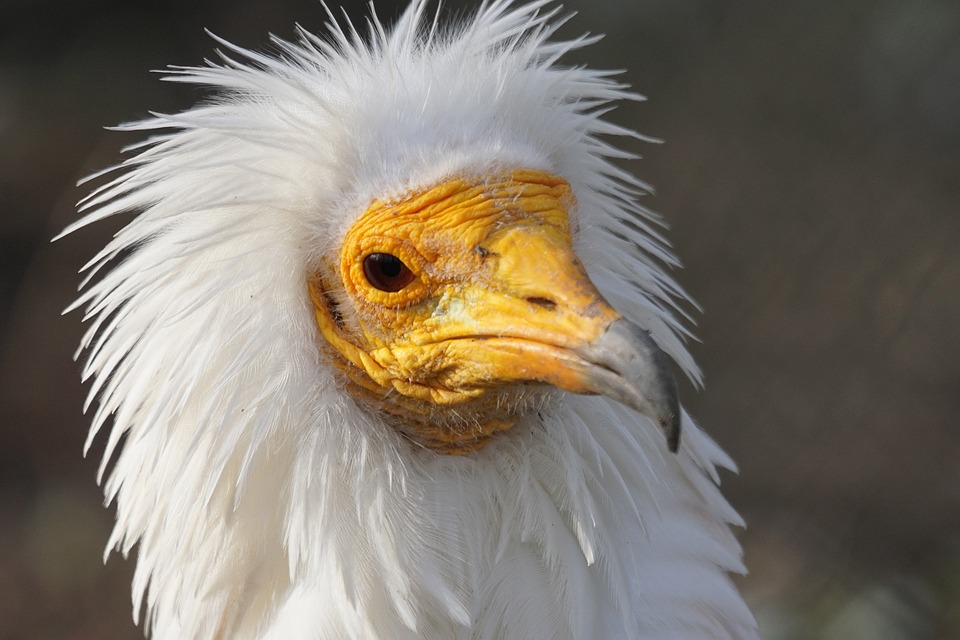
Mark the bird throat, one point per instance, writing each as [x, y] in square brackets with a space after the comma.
[452, 429]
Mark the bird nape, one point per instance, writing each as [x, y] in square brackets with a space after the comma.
[386, 351]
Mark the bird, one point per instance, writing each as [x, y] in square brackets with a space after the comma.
[386, 347]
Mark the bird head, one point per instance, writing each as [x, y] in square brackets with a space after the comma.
[463, 294]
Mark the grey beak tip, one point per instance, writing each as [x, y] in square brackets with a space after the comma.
[670, 421]
[672, 428]
[636, 371]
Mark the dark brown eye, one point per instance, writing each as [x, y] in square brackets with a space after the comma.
[386, 272]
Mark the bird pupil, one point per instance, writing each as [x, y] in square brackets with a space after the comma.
[390, 265]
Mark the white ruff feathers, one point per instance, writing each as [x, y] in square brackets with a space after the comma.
[266, 504]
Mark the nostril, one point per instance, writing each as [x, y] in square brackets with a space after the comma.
[545, 303]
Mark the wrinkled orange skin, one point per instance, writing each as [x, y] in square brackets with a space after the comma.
[497, 301]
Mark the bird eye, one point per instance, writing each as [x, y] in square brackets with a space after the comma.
[386, 272]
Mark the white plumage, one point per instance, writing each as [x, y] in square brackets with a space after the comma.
[268, 503]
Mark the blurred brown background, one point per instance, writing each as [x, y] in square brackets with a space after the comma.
[811, 174]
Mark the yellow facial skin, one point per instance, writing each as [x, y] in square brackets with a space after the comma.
[497, 299]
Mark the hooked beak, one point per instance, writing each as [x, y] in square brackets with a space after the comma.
[629, 367]
[537, 317]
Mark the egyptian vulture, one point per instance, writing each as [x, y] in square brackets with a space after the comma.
[386, 352]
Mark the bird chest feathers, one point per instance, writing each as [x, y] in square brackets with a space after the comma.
[386, 352]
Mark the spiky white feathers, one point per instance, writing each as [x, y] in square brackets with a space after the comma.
[262, 501]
